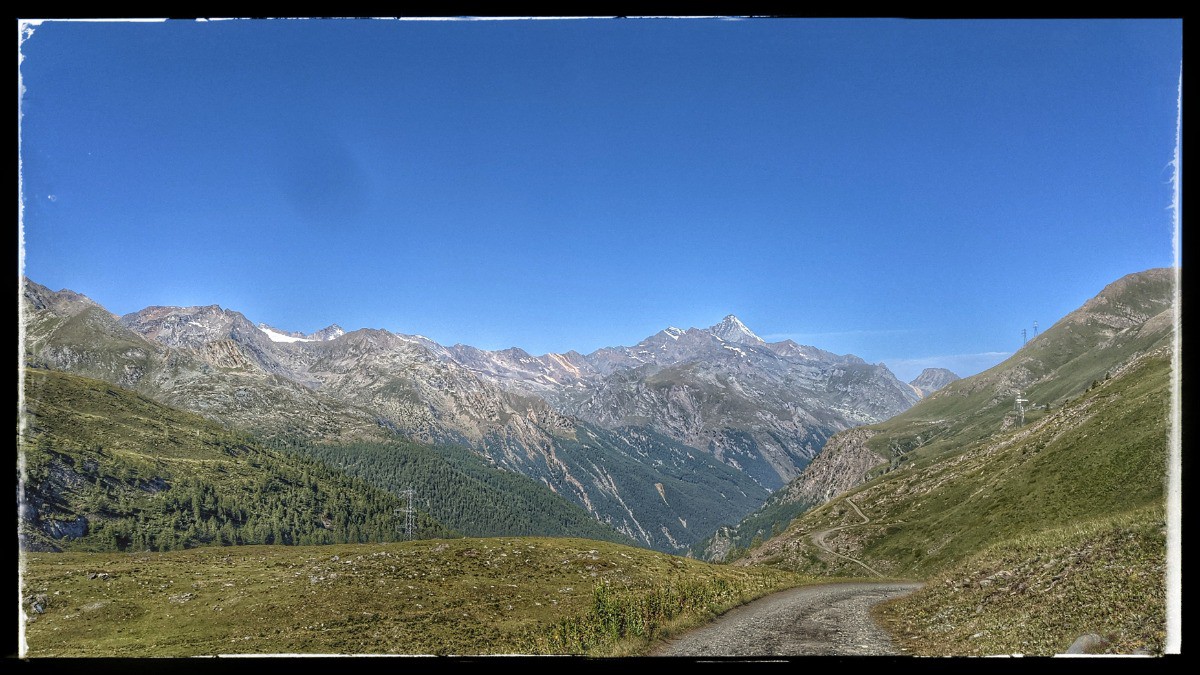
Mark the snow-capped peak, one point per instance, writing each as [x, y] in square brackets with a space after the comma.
[731, 329]
[673, 332]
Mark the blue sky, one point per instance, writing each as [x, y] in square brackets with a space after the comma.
[913, 192]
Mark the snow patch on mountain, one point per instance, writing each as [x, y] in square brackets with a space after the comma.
[277, 336]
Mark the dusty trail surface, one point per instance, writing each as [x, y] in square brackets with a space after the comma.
[828, 619]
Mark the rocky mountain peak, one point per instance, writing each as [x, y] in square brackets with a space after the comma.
[65, 301]
[331, 332]
[932, 379]
[731, 329]
[189, 326]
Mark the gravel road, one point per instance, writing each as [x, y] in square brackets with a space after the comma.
[828, 619]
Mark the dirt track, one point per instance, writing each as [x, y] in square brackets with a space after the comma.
[828, 619]
[818, 539]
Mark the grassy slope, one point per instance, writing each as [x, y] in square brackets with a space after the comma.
[1060, 363]
[1036, 593]
[1131, 316]
[1103, 454]
[1052, 492]
[463, 596]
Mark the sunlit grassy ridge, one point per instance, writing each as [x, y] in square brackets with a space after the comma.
[459, 596]
[1130, 316]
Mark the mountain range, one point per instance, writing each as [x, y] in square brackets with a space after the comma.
[664, 441]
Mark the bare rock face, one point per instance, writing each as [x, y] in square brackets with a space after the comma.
[841, 466]
[66, 529]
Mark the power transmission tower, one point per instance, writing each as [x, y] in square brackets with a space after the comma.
[408, 514]
[1021, 407]
[1034, 329]
[1022, 337]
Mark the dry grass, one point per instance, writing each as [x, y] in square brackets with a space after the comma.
[460, 596]
[1036, 594]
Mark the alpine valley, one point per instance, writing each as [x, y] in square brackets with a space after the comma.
[1029, 498]
[661, 443]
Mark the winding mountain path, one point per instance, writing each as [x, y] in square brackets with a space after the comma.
[822, 620]
[818, 539]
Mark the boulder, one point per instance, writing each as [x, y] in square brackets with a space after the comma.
[1087, 644]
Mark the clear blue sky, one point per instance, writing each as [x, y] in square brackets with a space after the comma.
[913, 192]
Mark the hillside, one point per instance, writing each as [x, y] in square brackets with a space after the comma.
[1128, 318]
[1037, 593]
[1101, 454]
[459, 489]
[1100, 457]
[107, 469]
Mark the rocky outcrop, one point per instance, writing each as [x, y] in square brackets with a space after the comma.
[842, 465]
